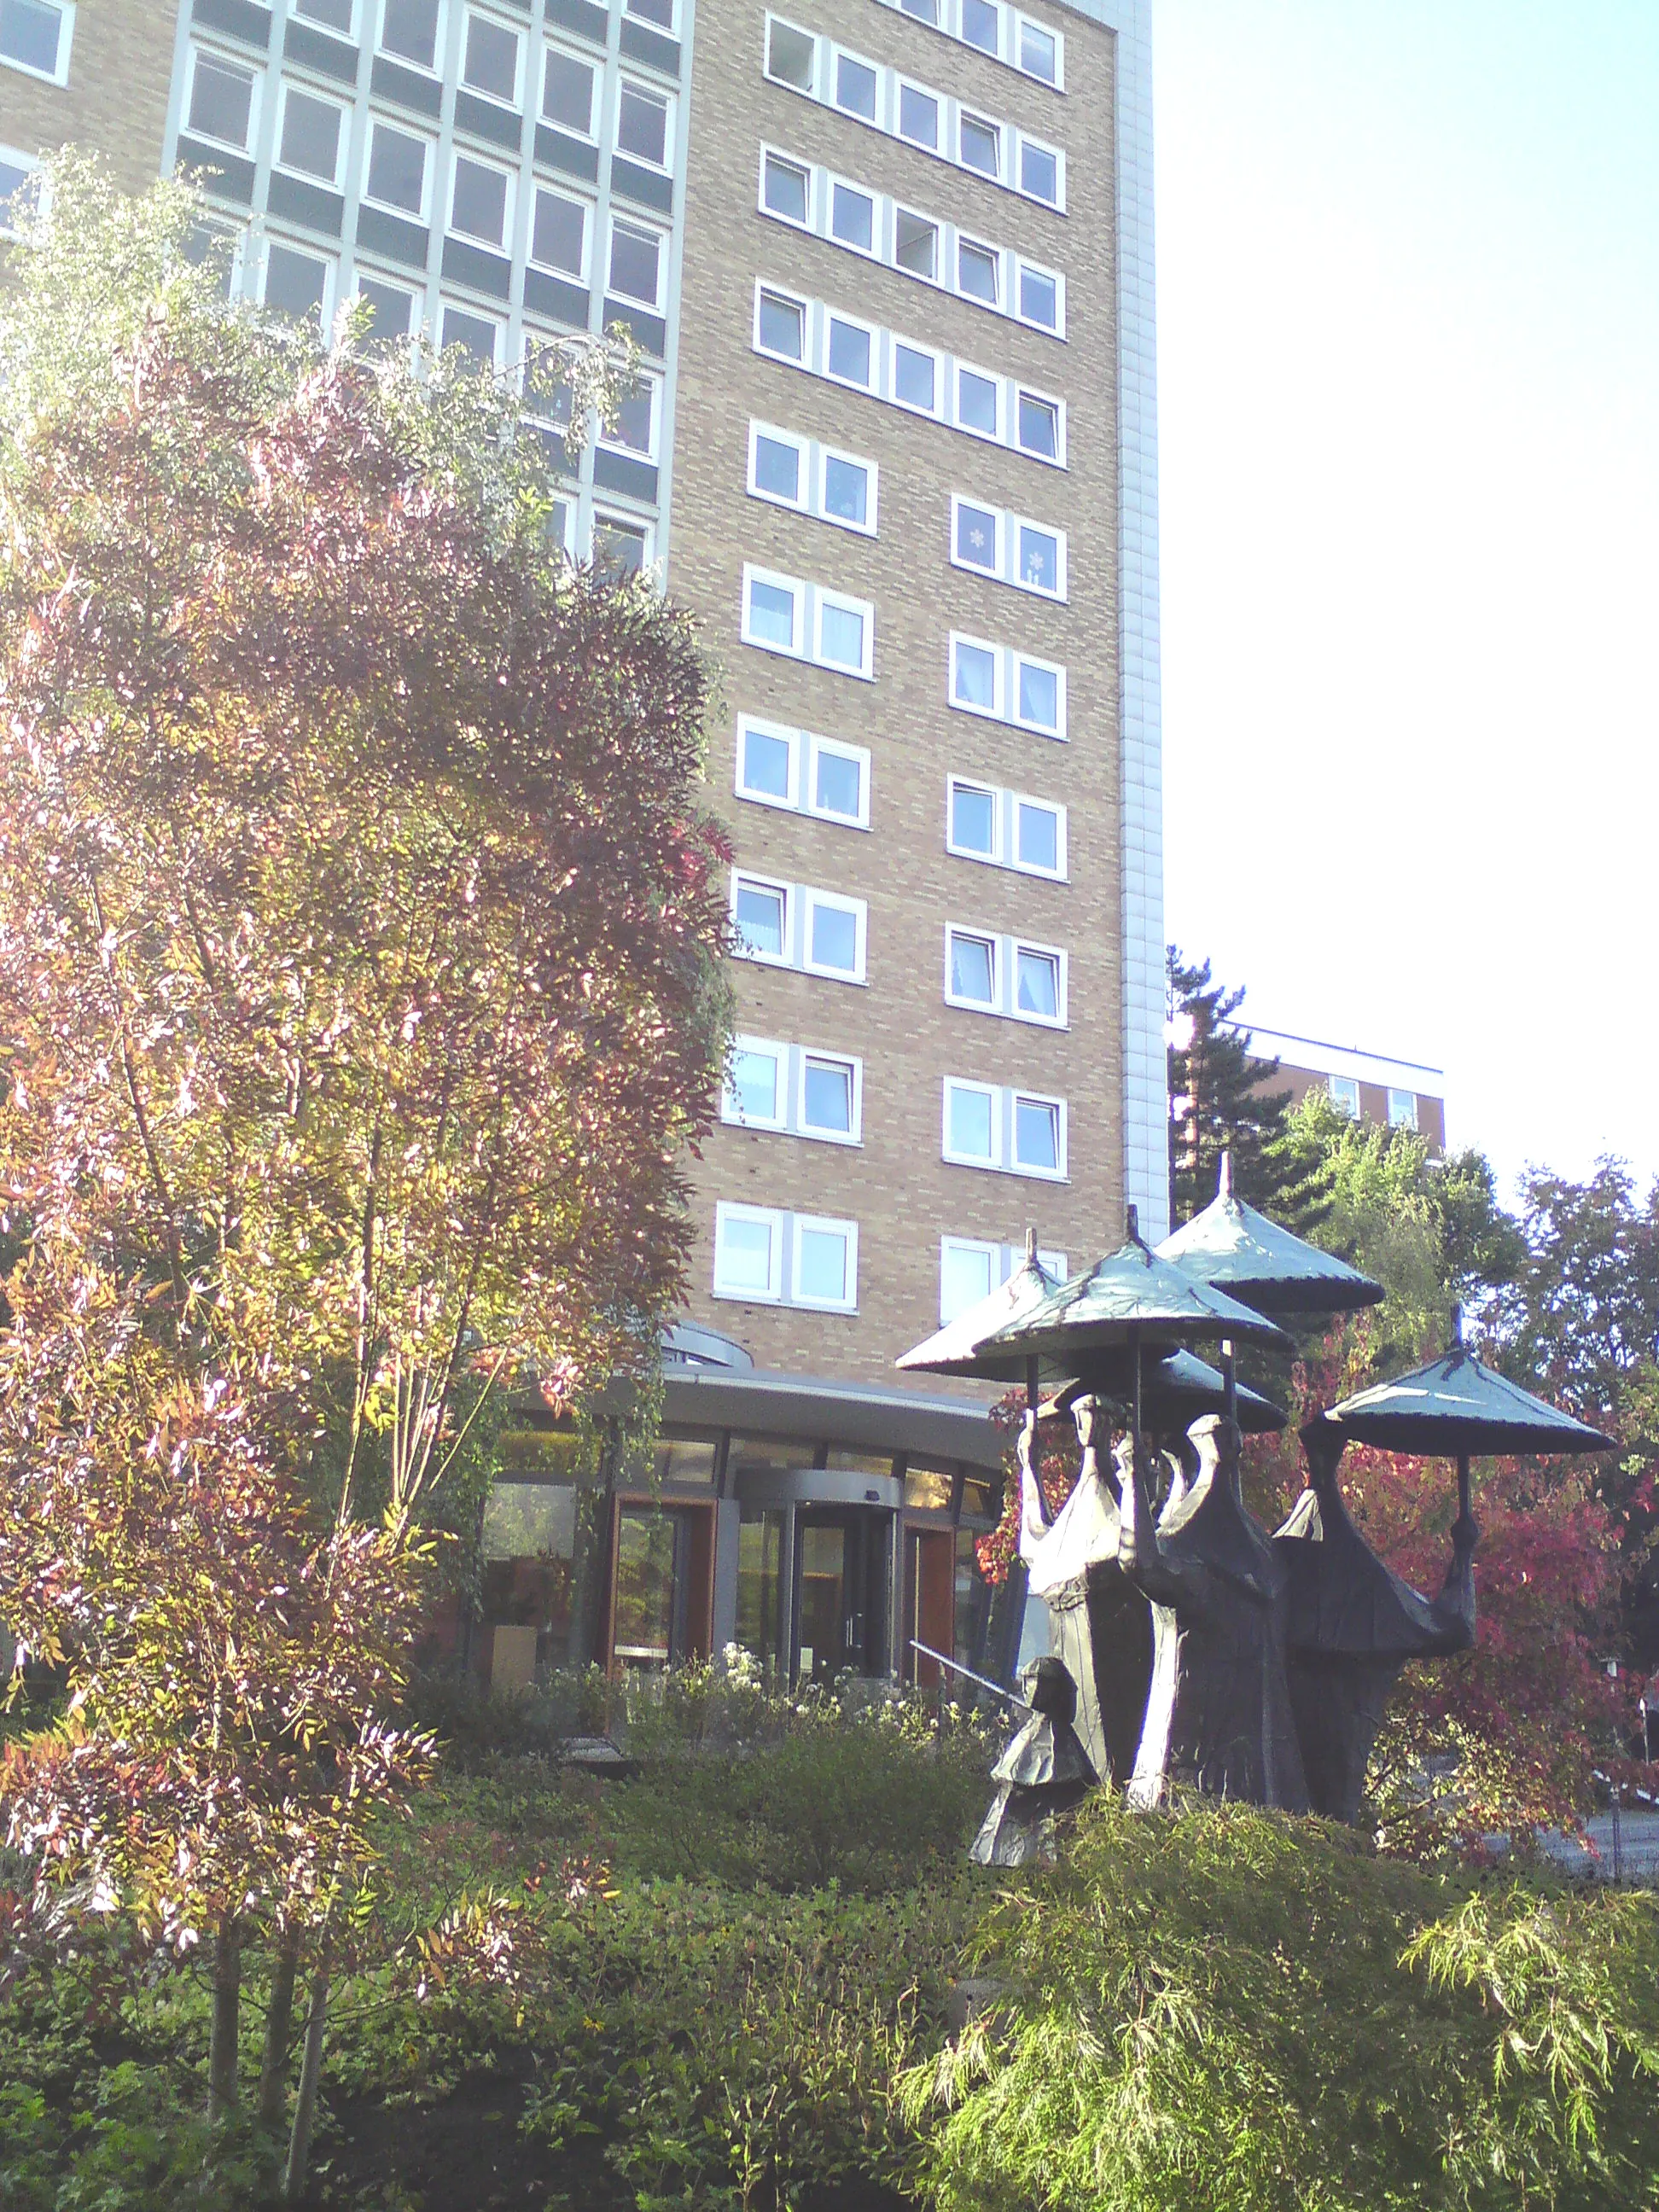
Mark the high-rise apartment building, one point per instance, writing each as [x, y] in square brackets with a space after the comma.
[889, 268]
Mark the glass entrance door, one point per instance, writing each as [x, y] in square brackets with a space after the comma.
[840, 1593]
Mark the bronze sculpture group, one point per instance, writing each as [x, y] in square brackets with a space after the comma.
[1191, 1650]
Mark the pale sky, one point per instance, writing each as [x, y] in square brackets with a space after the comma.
[1408, 368]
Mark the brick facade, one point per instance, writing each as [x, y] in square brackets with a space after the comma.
[116, 99]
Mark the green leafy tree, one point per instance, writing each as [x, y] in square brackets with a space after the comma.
[360, 985]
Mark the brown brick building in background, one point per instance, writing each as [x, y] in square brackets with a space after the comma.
[889, 263]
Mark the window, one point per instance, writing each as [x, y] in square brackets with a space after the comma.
[808, 775]
[915, 244]
[1039, 837]
[1039, 171]
[1037, 1136]
[1039, 53]
[491, 59]
[659, 12]
[1017, 1132]
[635, 263]
[1402, 1109]
[1006, 828]
[397, 168]
[1041, 559]
[775, 467]
[838, 782]
[310, 137]
[642, 124]
[987, 679]
[826, 1258]
[409, 28]
[969, 1270]
[634, 430]
[35, 36]
[1037, 983]
[795, 926]
[1345, 1095]
[846, 490]
[844, 634]
[792, 1089]
[748, 1253]
[849, 351]
[755, 1095]
[856, 86]
[795, 471]
[478, 337]
[980, 27]
[390, 308]
[978, 533]
[981, 145]
[785, 188]
[621, 549]
[781, 326]
[336, 14]
[772, 613]
[1007, 547]
[853, 217]
[1004, 975]
[760, 912]
[558, 235]
[976, 271]
[829, 1097]
[766, 765]
[789, 56]
[1038, 694]
[915, 378]
[972, 820]
[925, 11]
[976, 402]
[477, 201]
[15, 170]
[221, 103]
[296, 284]
[974, 676]
[1039, 297]
[971, 1131]
[1039, 426]
[918, 117]
[834, 936]
[567, 92]
[970, 975]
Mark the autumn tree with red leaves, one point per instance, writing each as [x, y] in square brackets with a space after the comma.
[360, 993]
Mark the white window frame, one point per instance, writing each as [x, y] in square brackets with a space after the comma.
[652, 92]
[436, 68]
[796, 649]
[802, 1128]
[815, 748]
[1056, 1174]
[791, 1064]
[561, 192]
[1005, 1099]
[731, 1112]
[1344, 1093]
[804, 359]
[786, 928]
[497, 323]
[630, 222]
[1057, 460]
[1001, 1261]
[1016, 1012]
[801, 901]
[993, 1094]
[341, 142]
[873, 332]
[1003, 566]
[804, 748]
[671, 30]
[1006, 950]
[1007, 663]
[944, 371]
[804, 169]
[995, 944]
[59, 73]
[256, 96]
[811, 900]
[376, 121]
[520, 33]
[1004, 834]
[1408, 1115]
[595, 68]
[804, 1223]
[728, 1210]
[1058, 730]
[14, 157]
[649, 386]
[811, 602]
[843, 602]
[509, 206]
[640, 525]
[813, 459]
[330, 280]
[393, 282]
[329, 30]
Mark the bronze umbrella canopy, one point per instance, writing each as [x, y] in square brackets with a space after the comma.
[956, 1349]
[1457, 1408]
[1175, 1391]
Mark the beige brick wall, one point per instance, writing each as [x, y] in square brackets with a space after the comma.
[115, 102]
[896, 1187]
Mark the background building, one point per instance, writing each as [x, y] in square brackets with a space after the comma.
[1368, 1085]
[889, 267]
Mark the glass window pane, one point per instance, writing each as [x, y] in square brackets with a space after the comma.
[634, 264]
[829, 1097]
[1039, 298]
[492, 57]
[477, 207]
[970, 1122]
[976, 402]
[1039, 172]
[841, 635]
[474, 334]
[786, 189]
[846, 489]
[849, 351]
[753, 1085]
[777, 469]
[915, 244]
[964, 1278]
[29, 32]
[780, 324]
[659, 12]
[1345, 1096]
[409, 27]
[397, 168]
[389, 307]
[976, 676]
[1039, 558]
[834, 937]
[765, 763]
[979, 24]
[973, 819]
[1402, 1109]
[760, 1555]
[1038, 52]
[221, 102]
[1038, 984]
[918, 117]
[1036, 1134]
[337, 14]
[913, 377]
[294, 282]
[568, 91]
[1038, 837]
[822, 1269]
[976, 272]
[789, 56]
[772, 613]
[559, 233]
[925, 11]
[619, 548]
[634, 421]
[310, 135]
[759, 918]
[856, 86]
[645, 1587]
[852, 216]
[976, 537]
[836, 787]
[642, 124]
[972, 967]
[980, 145]
[1039, 426]
[1039, 696]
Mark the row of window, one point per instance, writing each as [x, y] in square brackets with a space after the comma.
[872, 93]
[993, 28]
[811, 197]
[793, 1091]
[412, 32]
[35, 37]
[771, 1256]
[1345, 1096]
[921, 378]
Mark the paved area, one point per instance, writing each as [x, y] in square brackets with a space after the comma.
[1632, 1857]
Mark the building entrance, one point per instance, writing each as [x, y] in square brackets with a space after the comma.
[841, 1563]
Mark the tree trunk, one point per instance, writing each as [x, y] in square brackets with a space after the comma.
[279, 2024]
[310, 2066]
[227, 2021]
